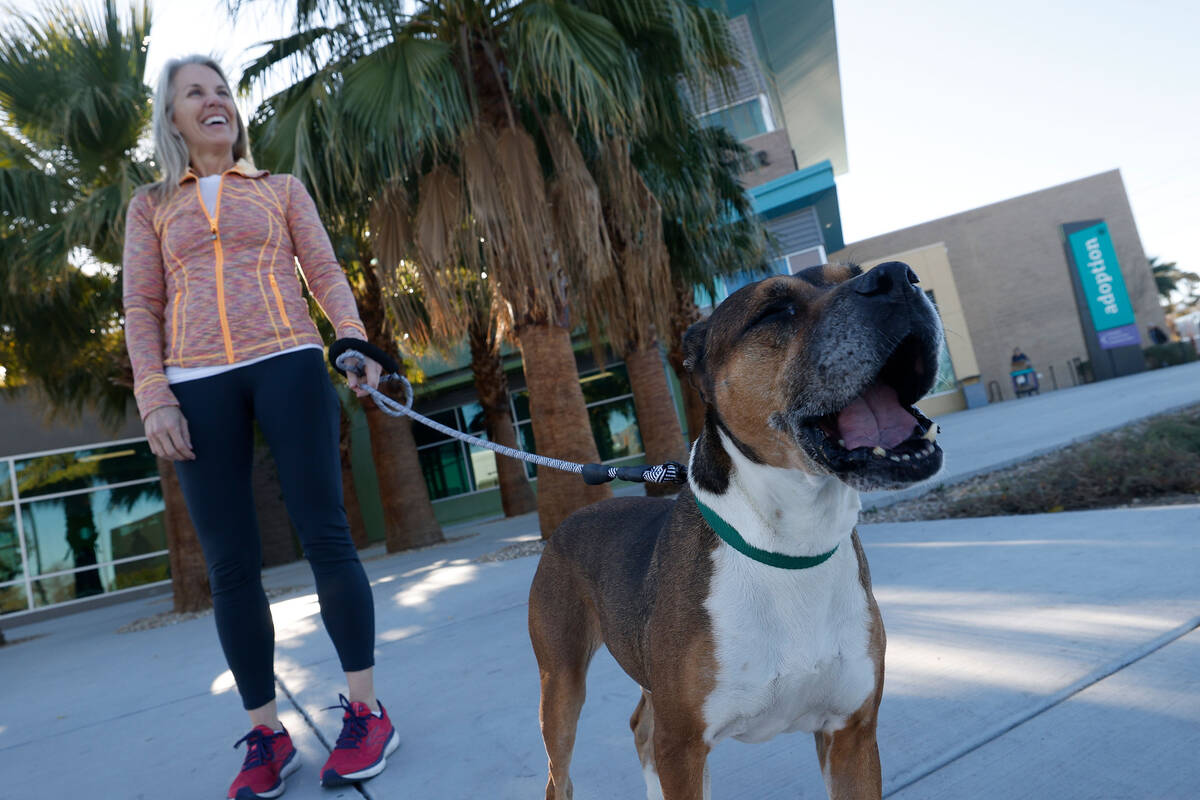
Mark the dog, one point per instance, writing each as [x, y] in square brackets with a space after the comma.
[743, 607]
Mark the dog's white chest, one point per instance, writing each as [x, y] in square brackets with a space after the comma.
[791, 647]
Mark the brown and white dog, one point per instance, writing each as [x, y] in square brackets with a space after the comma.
[743, 607]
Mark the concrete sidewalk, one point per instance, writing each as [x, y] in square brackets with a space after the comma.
[1046, 656]
[1002, 434]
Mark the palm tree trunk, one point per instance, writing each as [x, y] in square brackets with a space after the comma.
[408, 517]
[683, 313]
[658, 422]
[491, 385]
[560, 422]
[358, 530]
[189, 574]
[516, 493]
[693, 405]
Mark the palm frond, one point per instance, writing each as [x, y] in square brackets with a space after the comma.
[301, 46]
[578, 212]
[634, 219]
[69, 78]
[577, 60]
[408, 89]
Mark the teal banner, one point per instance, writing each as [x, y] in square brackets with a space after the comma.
[1103, 284]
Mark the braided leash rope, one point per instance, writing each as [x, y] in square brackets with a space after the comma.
[670, 472]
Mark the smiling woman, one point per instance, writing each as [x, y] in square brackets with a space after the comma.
[198, 124]
[218, 332]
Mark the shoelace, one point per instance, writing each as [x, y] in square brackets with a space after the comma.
[354, 727]
[258, 748]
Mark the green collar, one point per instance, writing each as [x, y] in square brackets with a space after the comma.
[734, 539]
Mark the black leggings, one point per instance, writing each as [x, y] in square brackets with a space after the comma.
[297, 410]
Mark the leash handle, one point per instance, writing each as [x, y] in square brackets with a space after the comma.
[668, 472]
[357, 348]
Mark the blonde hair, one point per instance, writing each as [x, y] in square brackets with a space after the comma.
[170, 150]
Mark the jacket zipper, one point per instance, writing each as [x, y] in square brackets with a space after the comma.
[220, 266]
[279, 300]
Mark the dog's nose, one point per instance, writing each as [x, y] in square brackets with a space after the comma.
[893, 279]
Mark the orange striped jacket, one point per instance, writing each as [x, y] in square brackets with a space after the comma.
[202, 290]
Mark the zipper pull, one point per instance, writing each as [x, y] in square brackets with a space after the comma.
[214, 233]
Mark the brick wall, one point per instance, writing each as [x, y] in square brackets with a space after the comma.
[1012, 273]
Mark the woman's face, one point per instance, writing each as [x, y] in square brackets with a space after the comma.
[204, 111]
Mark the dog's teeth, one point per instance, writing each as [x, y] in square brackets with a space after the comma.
[842, 443]
[906, 457]
[894, 458]
[932, 433]
[879, 451]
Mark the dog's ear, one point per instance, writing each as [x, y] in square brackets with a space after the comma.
[693, 345]
[694, 340]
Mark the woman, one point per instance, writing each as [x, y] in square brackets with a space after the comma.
[219, 337]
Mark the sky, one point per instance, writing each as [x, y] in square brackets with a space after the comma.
[950, 105]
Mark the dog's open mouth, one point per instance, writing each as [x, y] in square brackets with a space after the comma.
[879, 434]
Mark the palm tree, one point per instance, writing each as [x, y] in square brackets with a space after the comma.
[677, 217]
[73, 106]
[634, 315]
[481, 318]
[1168, 277]
[467, 88]
[709, 227]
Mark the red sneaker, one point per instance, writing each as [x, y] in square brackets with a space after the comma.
[270, 757]
[363, 747]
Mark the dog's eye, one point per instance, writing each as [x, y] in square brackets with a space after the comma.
[773, 314]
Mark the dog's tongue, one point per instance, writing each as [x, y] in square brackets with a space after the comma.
[875, 419]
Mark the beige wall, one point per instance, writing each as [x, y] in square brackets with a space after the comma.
[932, 266]
[26, 427]
[1010, 273]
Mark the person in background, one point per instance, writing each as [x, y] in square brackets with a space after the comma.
[219, 337]
[1158, 335]
[1019, 360]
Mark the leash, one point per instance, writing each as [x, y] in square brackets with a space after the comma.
[347, 354]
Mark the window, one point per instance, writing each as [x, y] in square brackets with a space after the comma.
[946, 381]
[12, 566]
[744, 120]
[453, 467]
[79, 523]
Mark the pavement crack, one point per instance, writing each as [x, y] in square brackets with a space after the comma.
[316, 730]
[923, 771]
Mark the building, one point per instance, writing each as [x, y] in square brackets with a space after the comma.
[785, 105]
[80, 509]
[1003, 277]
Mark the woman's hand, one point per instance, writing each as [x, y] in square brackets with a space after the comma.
[370, 377]
[167, 431]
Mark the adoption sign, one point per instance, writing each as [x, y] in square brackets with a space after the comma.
[1112, 312]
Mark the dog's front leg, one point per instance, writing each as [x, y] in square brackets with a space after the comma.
[682, 761]
[850, 761]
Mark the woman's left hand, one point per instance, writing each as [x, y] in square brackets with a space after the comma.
[370, 377]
